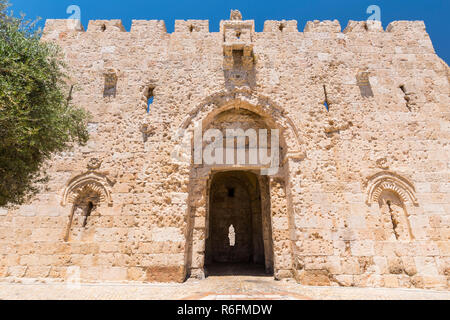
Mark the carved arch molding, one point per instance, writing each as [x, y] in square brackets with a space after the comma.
[219, 102]
[389, 181]
[92, 184]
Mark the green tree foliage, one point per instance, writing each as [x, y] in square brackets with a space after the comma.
[37, 118]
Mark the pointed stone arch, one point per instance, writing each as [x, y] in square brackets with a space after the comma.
[258, 104]
[393, 182]
[278, 187]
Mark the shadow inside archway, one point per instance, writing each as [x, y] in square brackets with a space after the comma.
[236, 269]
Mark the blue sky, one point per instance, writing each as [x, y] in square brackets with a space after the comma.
[433, 12]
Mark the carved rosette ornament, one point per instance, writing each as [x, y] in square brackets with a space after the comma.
[383, 163]
[94, 164]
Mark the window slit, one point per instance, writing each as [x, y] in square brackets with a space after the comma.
[150, 98]
[326, 102]
[88, 213]
[406, 97]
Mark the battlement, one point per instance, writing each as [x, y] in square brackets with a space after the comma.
[105, 26]
[190, 26]
[415, 28]
[409, 27]
[52, 25]
[323, 26]
[148, 27]
[280, 26]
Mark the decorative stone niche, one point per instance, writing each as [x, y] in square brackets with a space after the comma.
[110, 84]
[85, 193]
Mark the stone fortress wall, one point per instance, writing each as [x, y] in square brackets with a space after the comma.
[363, 195]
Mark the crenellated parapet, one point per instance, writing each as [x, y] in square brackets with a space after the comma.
[238, 37]
[236, 29]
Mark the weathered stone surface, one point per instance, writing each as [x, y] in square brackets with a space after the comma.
[361, 197]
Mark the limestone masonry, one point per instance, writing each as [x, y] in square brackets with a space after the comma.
[362, 195]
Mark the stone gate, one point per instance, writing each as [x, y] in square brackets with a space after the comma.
[360, 194]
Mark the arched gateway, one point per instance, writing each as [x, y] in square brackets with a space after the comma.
[242, 196]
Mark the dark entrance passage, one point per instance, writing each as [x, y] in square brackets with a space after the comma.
[235, 244]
